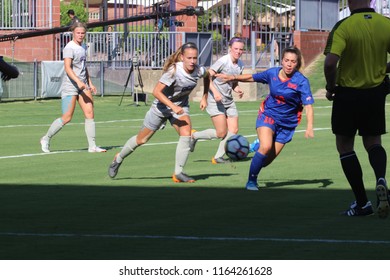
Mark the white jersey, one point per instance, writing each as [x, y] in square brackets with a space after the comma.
[225, 65]
[179, 85]
[78, 55]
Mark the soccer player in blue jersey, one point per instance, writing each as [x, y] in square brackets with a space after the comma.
[281, 111]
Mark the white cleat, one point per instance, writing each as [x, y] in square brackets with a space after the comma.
[45, 145]
[96, 149]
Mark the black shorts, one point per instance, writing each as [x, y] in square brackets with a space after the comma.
[361, 110]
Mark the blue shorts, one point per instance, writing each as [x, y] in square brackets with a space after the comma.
[281, 134]
[65, 103]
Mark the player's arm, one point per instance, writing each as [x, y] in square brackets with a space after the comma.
[238, 90]
[330, 71]
[236, 78]
[217, 95]
[90, 84]
[72, 75]
[310, 121]
[206, 86]
[160, 96]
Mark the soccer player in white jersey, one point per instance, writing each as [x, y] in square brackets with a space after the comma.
[76, 87]
[220, 104]
[180, 76]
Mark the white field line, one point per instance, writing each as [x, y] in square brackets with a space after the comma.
[193, 238]
[147, 144]
[128, 120]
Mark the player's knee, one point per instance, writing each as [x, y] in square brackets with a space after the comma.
[141, 141]
[66, 119]
[221, 134]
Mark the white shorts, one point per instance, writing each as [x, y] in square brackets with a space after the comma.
[214, 109]
[154, 118]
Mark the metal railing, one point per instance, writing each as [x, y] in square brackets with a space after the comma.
[267, 47]
[149, 48]
[26, 14]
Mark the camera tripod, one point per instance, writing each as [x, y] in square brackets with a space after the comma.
[134, 64]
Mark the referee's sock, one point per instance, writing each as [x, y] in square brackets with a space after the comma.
[378, 160]
[353, 171]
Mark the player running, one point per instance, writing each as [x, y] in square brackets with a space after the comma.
[220, 104]
[280, 112]
[180, 76]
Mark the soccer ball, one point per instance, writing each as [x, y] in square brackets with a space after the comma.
[237, 147]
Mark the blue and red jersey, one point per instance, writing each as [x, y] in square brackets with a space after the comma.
[286, 99]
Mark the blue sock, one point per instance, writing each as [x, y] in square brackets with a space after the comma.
[256, 165]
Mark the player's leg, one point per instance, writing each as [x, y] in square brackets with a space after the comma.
[68, 104]
[86, 105]
[378, 159]
[372, 126]
[266, 135]
[218, 116]
[344, 126]
[232, 129]
[183, 127]
[151, 124]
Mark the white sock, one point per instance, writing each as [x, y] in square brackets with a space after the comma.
[207, 134]
[90, 131]
[56, 126]
[182, 152]
[127, 149]
[221, 147]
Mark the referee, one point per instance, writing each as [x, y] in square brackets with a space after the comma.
[355, 70]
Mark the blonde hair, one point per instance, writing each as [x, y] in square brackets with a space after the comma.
[176, 57]
[77, 25]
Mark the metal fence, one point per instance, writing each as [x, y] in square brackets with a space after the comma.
[26, 14]
[149, 48]
[108, 80]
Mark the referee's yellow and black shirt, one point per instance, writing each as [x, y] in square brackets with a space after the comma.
[362, 42]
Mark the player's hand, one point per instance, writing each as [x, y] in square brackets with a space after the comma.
[223, 77]
[217, 97]
[329, 95]
[203, 104]
[330, 92]
[178, 110]
[93, 89]
[240, 93]
[309, 133]
[82, 86]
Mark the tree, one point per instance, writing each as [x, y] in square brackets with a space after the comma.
[77, 6]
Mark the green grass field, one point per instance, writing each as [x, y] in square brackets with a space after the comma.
[63, 205]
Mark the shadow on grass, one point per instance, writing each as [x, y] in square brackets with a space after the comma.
[323, 183]
[196, 177]
[149, 222]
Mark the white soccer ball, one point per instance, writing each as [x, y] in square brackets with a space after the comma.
[237, 147]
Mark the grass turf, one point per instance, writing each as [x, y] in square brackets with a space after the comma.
[63, 205]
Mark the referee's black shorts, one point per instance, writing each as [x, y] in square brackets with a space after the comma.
[359, 110]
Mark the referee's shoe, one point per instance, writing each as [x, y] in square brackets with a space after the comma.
[382, 193]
